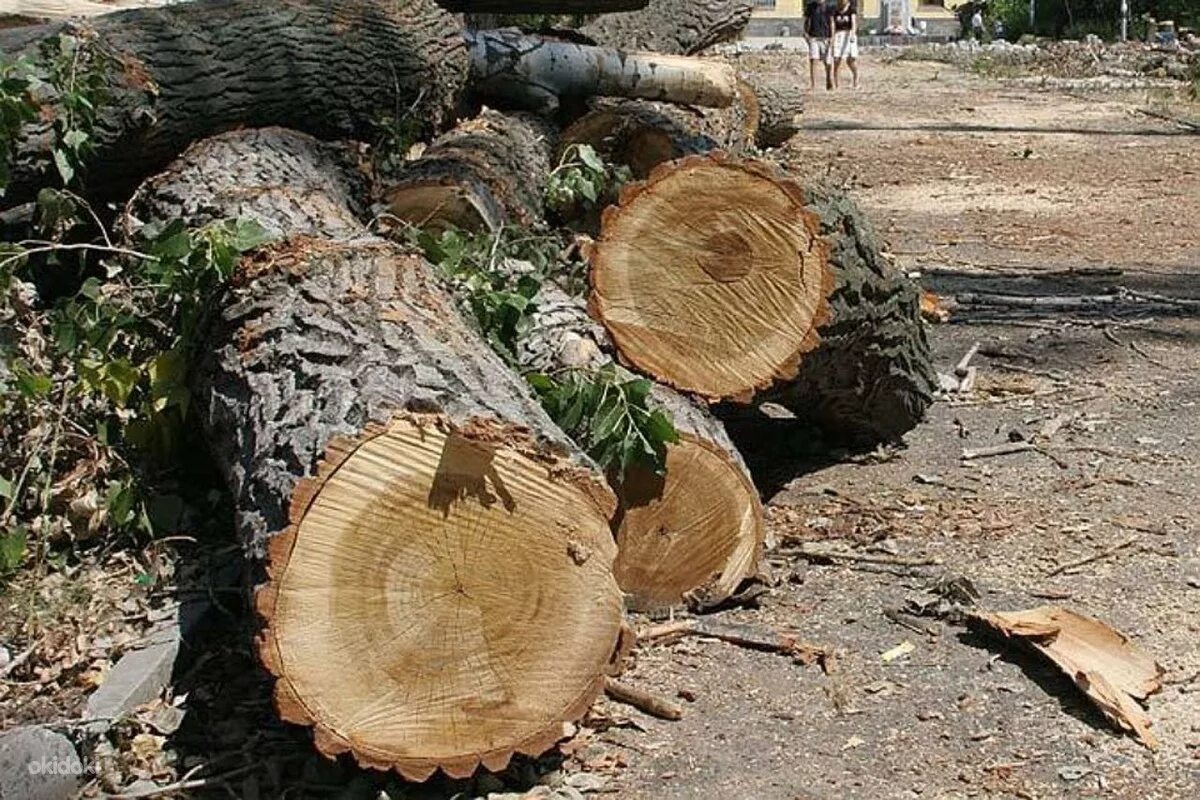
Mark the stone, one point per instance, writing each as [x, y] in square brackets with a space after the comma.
[137, 678]
[38, 764]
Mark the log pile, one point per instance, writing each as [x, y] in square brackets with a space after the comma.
[445, 570]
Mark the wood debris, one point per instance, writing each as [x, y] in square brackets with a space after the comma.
[1102, 662]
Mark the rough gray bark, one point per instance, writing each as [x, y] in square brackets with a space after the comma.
[779, 99]
[319, 338]
[541, 6]
[683, 27]
[871, 378]
[643, 134]
[487, 171]
[187, 71]
[537, 74]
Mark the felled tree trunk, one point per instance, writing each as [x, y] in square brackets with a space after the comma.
[487, 171]
[690, 535]
[642, 134]
[440, 563]
[537, 74]
[761, 286]
[541, 6]
[179, 73]
[778, 101]
[683, 27]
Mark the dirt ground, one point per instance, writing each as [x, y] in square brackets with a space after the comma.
[983, 186]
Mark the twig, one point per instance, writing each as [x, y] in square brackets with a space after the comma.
[961, 369]
[749, 636]
[809, 552]
[1094, 557]
[997, 450]
[642, 700]
[186, 783]
[1135, 347]
[44, 247]
[20, 659]
[1183, 123]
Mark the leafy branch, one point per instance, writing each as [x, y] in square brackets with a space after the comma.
[609, 413]
[582, 181]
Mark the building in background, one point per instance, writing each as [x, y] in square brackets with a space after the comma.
[876, 17]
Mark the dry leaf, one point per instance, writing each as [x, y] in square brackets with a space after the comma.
[1110, 670]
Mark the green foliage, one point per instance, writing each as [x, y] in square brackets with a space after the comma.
[67, 83]
[395, 134]
[17, 107]
[608, 413]
[582, 181]
[501, 300]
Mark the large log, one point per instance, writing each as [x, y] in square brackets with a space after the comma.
[541, 6]
[487, 171]
[778, 100]
[682, 27]
[440, 560]
[689, 535]
[186, 71]
[724, 279]
[537, 74]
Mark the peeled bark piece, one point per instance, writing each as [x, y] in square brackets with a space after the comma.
[535, 73]
[487, 171]
[190, 70]
[643, 134]
[682, 27]
[693, 533]
[871, 379]
[711, 276]
[779, 101]
[440, 590]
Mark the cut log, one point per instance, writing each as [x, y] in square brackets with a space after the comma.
[779, 102]
[541, 6]
[486, 172]
[537, 74]
[691, 534]
[440, 586]
[729, 297]
[681, 27]
[642, 134]
[186, 71]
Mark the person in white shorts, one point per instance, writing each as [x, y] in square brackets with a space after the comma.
[817, 31]
[843, 40]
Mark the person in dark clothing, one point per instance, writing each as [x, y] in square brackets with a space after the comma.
[843, 40]
[817, 32]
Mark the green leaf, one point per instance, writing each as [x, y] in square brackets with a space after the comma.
[588, 156]
[6, 488]
[588, 190]
[75, 139]
[63, 165]
[33, 385]
[248, 234]
[12, 548]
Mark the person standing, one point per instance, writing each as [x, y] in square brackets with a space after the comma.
[816, 32]
[843, 41]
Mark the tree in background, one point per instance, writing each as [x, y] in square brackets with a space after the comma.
[1074, 19]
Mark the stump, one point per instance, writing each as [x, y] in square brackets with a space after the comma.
[440, 590]
[690, 535]
[487, 171]
[187, 71]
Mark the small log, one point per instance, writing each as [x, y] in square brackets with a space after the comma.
[779, 103]
[682, 27]
[487, 171]
[536, 74]
[189, 70]
[643, 134]
[697, 530]
[766, 288]
[440, 589]
[642, 700]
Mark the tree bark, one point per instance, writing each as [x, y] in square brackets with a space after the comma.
[537, 74]
[440, 590]
[642, 134]
[692, 534]
[779, 102]
[487, 171]
[541, 6]
[187, 71]
[682, 27]
[764, 289]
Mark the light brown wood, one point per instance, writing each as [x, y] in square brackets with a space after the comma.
[452, 644]
[711, 276]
